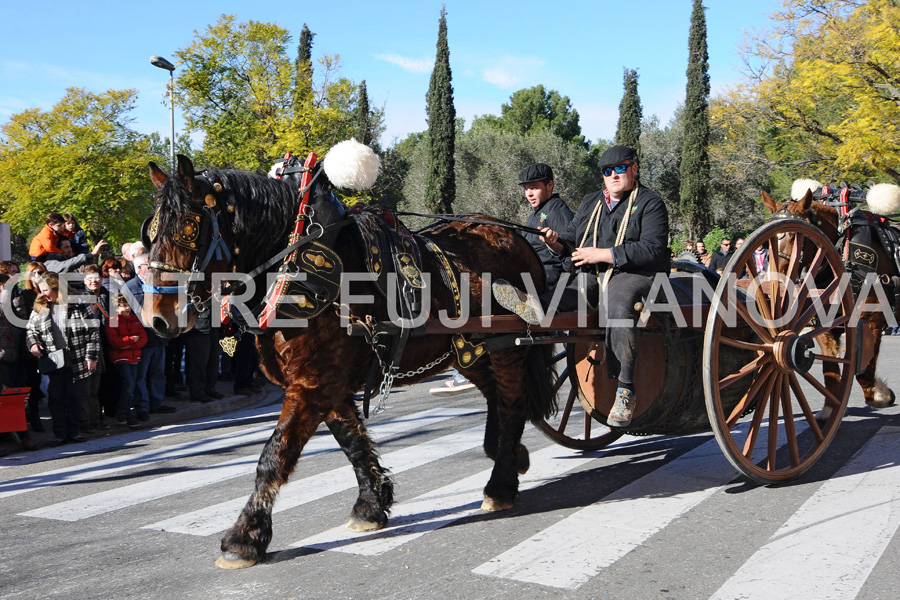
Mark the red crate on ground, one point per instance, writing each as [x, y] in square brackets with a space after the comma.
[12, 409]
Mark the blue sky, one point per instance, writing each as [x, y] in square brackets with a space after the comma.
[576, 47]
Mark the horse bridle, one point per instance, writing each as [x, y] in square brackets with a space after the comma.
[204, 247]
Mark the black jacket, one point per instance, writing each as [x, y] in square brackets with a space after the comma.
[719, 260]
[555, 214]
[644, 249]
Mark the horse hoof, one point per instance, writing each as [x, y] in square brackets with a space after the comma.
[232, 560]
[823, 415]
[523, 460]
[491, 505]
[363, 526]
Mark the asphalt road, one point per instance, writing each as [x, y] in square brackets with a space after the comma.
[139, 515]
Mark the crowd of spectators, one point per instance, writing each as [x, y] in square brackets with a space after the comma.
[72, 318]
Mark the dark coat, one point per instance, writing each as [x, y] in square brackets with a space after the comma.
[644, 249]
[555, 214]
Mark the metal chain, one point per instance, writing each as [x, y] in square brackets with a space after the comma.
[389, 378]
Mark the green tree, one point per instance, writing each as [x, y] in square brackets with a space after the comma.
[440, 187]
[534, 109]
[363, 118]
[628, 130]
[694, 156]
[81, 157]
[253, 103]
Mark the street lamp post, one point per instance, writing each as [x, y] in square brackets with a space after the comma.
[159, 61]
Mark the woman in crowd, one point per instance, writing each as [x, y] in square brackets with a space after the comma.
[110, 269]
[23, 303]
[55, 327]
[98, 309]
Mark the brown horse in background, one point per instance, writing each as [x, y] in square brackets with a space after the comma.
[320, 366]
[876, 392]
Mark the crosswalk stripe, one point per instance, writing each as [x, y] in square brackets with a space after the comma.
[219, 517]
[103, 468]
[837, 536]
[145, 491]
[440, 507]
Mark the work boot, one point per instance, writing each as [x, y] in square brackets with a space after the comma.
[518, 302]
[623, 409]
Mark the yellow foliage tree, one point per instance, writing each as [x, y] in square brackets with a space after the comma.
[823, 90]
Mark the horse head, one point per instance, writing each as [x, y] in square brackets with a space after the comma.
[189, 239]
[804, 207]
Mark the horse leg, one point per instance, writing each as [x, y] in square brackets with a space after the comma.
[245, 543]
[484, 380]
[830, 344]
[509, 369]
[875, 390]
[376, 490]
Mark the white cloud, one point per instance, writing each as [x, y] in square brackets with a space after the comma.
[412, 65]
[511, 71]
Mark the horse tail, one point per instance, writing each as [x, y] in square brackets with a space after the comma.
[540, 375]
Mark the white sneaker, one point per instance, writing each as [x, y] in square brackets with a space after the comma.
[623, 409]
[453, 387]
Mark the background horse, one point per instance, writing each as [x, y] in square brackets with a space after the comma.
[320, 366]
[876, 392]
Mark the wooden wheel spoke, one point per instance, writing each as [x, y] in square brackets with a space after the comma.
[767, 348]
[796, 251]
[748, 398]
[772, 446]
[802, 295]
[587, 425]
[789, 430]
[825, 328]
[830, 398]
[835, 359]
[747, 369]
[804, 406]
[759, 330]
[570, 402]
[750, 442]
[811, 311]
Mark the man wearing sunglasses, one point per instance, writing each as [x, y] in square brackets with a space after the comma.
[618, 241]
[720, 258]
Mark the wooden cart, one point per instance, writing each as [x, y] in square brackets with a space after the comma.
[737, 354]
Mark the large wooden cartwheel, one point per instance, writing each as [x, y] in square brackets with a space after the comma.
[771, 434]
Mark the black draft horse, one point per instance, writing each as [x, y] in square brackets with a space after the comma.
[319, 366]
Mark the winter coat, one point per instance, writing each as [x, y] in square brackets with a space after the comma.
[81, 332]
[122, 349]
[45, 242]
[556, 215]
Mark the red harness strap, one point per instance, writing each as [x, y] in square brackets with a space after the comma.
[268, 312]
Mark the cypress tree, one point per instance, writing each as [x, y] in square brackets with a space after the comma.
[303, 70]
[694, 157]
[440, 181]
[628, 130]
[363, 123]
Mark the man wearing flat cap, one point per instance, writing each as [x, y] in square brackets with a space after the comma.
[619, 238]
[550, 211]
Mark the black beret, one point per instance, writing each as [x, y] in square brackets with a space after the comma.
[616, 155]
[536, 172]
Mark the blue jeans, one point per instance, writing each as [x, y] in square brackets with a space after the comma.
[151, 379]
[127, 383]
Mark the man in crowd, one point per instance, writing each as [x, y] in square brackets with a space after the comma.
[720, 258]
[151, 374]
[702, 255]
[621, 234]
[70, 261]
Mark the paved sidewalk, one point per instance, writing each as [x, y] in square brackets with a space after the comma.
[186, 411]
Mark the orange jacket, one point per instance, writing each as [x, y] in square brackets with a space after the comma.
[44, 242]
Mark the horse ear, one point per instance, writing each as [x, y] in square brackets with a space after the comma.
[157, 175]
[185, 172]
[769, 203]
[806, 201]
